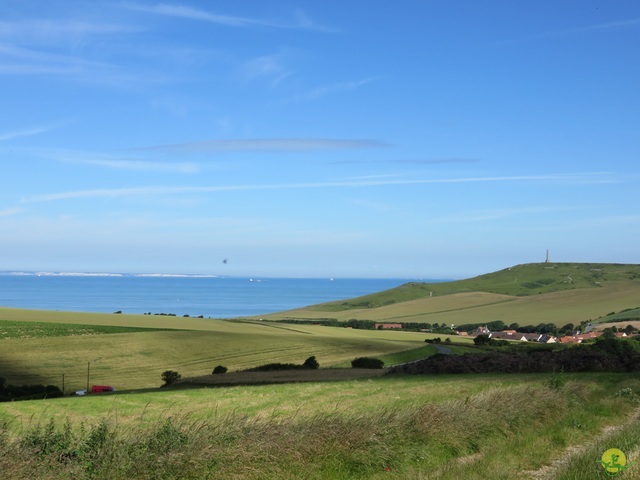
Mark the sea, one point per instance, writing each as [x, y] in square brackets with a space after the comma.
[193, 295]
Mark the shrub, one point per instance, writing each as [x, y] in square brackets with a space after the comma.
[219, 370]
[170, 377]
[28, 392]
[311, 363]
[367, 362]
[482, 339]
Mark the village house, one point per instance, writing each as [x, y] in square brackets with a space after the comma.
[481, 330]
[547, 339]
[523, 337]
[579, 338]
[532, 337]
[508, 335]
[388, 326]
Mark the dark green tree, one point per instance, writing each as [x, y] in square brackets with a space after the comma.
[569, 327]
[482, 339]
[169, 377]
[367, 362]
[311, 363]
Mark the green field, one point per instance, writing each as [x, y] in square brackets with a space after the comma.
[401, 427]
[331, 423]
[21, 329]
[531, 294]
[147, 346]
[138, 348]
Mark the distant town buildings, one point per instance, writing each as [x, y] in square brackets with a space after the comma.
[575, 337]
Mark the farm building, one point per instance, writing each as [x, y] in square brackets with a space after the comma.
[388, 326]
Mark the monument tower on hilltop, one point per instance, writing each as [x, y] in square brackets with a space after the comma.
[547, 260]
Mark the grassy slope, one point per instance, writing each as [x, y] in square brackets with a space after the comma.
[526, 294]
[136, 360]
[440, 427]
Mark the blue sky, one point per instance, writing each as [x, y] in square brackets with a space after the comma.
[422, 139]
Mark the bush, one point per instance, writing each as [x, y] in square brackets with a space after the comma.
[311, 363]
[274, 367]
[482, 339]
[170, 377]
[28, 392]
[219, 369]
[367, 362]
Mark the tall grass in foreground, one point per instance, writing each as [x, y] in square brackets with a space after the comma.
[498, 433]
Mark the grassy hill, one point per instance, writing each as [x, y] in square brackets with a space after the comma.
[39, 347]
[333, 426]
[135, 349]
[526, 294]
[520, 280]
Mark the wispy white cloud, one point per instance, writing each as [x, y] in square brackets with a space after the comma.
[29, 61]
[36, 31]
[300, 21]
[10, 211]
[327, 90]
[23, 133]
[108, 160]
[171, 190]
[621, 222]
[487, 215]
[630, 23]
[34, 61]
[621, 24]
[181, 11]
[272, 68]
[417, 161]
[117, 163]
[374, 177]
[269, 145]
[143, 165]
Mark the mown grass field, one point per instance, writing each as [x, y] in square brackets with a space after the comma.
[16, 329]
[563, 293]
[136, 359]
